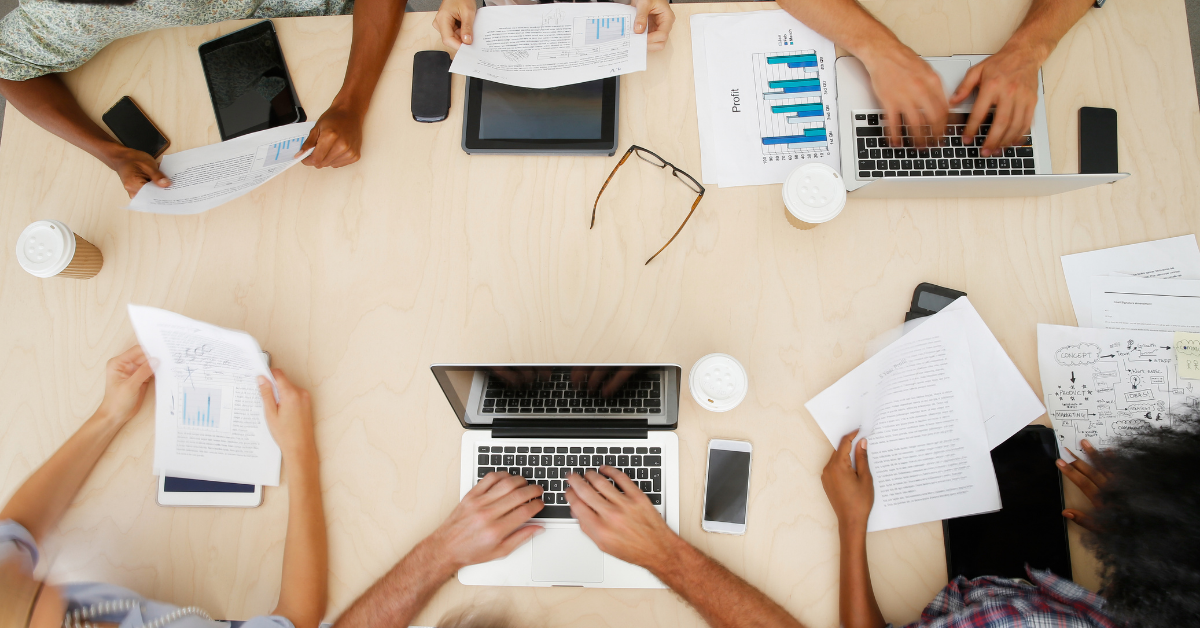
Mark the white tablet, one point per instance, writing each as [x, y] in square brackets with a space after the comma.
[184, 492]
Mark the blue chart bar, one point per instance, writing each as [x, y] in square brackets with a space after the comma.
[796, 86]
[809, 109]
[810, 135]
[800, 61]
[201, 402]
[604, 29]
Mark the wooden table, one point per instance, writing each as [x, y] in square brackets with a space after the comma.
[358, 279]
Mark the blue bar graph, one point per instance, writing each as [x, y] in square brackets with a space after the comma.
[284, 150]
[792, 113]
[794, 139]
[808, 60]
[604, 29]
[198, 405]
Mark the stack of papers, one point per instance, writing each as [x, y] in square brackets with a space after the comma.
[931, 405]
[1137, 286]
[551, 45]
[208, 415]
[765, 97]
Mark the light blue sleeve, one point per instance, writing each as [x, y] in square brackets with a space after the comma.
[268, 621]
[17, 542]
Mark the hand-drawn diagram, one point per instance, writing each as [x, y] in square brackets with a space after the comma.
[1103, 384]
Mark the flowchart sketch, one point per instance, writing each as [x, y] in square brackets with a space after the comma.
[1104, 385]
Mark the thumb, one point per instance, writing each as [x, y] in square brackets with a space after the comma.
[860, 456]
[144, 373]
[1084, 520]
[643, 12]
[156, 175]
[468, 21]
[311, 140]
[517, 539]
[969, 82]
[270, 408]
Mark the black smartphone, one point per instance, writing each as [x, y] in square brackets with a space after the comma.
[929, 299]
[431, 86]
[1030, 529]
[1097, 140]
[134, 129]
[248, 81]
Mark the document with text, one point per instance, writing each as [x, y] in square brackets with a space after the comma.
[210, 176]
[551, 45]
[1171, 258]
[1146, 304]
[208, 415]
[916, 404]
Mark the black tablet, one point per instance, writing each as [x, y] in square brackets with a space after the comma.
[578, 119]
[1029, 528]
[248, 81]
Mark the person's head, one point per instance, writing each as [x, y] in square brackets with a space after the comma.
[26, 602]
[1148, 526]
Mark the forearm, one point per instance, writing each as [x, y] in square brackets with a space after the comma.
[41, 501]
[397, 598]
[1046, 23]
[49, 104]
[856, 598]
[376, 25]
[845, 22]
[304, 587]
[722, 599]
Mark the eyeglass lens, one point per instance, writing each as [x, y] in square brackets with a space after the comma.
[687, 180]
[650, 158]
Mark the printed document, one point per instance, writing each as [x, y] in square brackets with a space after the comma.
[210, 176]
[208, 415]
[1146, 304]
[1005, 398]
[765, 97]
[1102, 384]
[1172, 258]
[551, 45]
[916, 404]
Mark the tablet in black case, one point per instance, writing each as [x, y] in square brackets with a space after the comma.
[578, 119]
[248, 81]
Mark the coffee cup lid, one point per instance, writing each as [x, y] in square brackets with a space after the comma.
[45, 248]
[814, 193]
[718, 382]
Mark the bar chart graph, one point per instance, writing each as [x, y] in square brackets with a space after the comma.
[201, 407]
[600, 30]
[283, 151]
[792, 114]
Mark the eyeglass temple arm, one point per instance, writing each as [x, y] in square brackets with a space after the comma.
[606, 182]
[685, 221]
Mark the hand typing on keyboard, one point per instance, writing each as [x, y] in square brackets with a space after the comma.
[1008, 81]
[620, 518]
[906, 86]
[489, 522]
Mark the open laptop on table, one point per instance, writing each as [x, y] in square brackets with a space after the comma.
[545, 421]
[872, 168]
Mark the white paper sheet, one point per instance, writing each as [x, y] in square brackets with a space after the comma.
[1172, 258]
[550, 45]
[1102, 384]
[210, 176]
[1146, 304]
[771, 97]
[208, 416]
[916, 404]
[708, 154]
[1005, 398]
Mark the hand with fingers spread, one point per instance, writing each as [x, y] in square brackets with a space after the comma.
[1088, 479]
[455, 20]
[909, 91]
[1008, 83]
[126, 380]
[620, 519]
[489, 522]
[655, 18]
[850, 490]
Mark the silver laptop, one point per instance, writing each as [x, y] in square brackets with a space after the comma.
[872, 168]
[545, 421]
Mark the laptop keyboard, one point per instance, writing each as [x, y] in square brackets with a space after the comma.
[548, 465]
[559, 391]
[953, 156]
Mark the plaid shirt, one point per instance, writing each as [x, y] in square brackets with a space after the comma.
[991, 602]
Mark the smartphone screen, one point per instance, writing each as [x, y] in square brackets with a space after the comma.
[134, 129]
[1097, 140]
[727, 486]
[248, 81]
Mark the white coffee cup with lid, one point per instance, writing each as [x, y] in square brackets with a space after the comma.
[813, 193]
[718, 382]
[48, 248]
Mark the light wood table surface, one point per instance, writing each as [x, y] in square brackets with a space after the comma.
[358, 279]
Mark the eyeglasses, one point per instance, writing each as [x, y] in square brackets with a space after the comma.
[653, 159]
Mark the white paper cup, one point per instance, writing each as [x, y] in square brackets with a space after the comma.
[48, 248]
[813, 193]
[718, 382]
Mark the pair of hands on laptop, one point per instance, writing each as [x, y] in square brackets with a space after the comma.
[490, 521]
[907, 86]
[456, 18]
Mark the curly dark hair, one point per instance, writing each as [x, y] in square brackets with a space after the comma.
[1148, 525]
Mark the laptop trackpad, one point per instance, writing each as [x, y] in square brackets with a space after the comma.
[566, 555]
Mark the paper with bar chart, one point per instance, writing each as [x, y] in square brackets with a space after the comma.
[210, 176]
[550, 45]
[765, 97]
[208, 416]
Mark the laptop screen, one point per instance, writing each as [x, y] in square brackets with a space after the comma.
[483, 393]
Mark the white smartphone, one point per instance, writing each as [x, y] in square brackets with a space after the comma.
[203, 493]
[727, 486]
